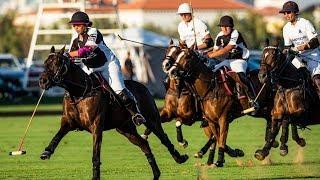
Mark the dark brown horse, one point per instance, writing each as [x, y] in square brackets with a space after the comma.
[292, 104]
[88, 107]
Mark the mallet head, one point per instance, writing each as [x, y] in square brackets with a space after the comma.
[17, 153]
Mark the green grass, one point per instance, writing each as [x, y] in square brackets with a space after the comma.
[122, 160]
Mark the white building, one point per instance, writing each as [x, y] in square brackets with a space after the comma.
[162, 13]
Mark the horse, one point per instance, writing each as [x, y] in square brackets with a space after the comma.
[93, 107]
[292, 104]
[180, 104]
[216, 104]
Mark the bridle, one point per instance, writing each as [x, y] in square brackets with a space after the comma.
[62, 70]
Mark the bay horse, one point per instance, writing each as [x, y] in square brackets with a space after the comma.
[207, 77]
[216, 104]
[88, 106]
[294, 100]
[180, 104]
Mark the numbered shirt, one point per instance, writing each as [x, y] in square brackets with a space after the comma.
[187, 32]
[298, 34]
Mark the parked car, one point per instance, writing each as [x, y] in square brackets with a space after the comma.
[32, 85]
[11, 77]
[254, 59]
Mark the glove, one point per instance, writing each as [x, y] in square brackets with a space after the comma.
[293, 51]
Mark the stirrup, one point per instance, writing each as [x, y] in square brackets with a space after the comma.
[138, 119]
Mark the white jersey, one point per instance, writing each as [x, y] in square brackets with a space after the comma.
[299, 34]
[187, 32]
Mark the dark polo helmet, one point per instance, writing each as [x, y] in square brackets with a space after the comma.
[290, 6]
[226, 21]
[80, 17]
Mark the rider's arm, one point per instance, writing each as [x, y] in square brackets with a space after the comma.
[207, 43]
[220, 52]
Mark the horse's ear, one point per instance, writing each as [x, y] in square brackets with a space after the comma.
[52, 50]
[266, 42]
[182, 45]
[62, 50]
[171, 42]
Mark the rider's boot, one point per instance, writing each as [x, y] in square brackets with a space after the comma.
[316, 81]
[250, 92]
[131, 105]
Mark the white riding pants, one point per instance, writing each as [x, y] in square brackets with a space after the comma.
[236, 65]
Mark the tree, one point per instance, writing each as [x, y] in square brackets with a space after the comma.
[14, 39]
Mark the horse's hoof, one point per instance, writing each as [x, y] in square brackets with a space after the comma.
[275, 144]
[302, 142]
[283, 150]
[218, 164]
[182, 159]
[145, 137]
[239, 152]
[184, 143]
[45, 155]
[198, 155]
[260, 154]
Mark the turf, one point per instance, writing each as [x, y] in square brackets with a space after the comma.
[121, 160]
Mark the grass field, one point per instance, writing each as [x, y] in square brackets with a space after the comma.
[121, 160]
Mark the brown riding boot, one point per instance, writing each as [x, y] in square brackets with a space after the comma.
[131, 105]
[316, 82]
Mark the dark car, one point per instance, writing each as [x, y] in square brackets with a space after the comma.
[254, 60]
[11, 77]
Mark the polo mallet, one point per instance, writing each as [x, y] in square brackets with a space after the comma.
[249, 110]
[20, 151]
[124, 39]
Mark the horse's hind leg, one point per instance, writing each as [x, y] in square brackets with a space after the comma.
[157, 129]
[133, 136]
[295, 136]
[284, 138]
[49, 150]
[146, 133]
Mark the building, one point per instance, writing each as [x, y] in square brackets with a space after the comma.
[162, 13]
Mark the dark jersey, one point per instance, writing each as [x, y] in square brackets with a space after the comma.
[93, 37]
[234, 38]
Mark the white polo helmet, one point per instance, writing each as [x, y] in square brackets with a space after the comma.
[184, 8]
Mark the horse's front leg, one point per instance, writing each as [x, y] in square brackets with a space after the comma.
[284, 137]
[49, 150]
[268, 131]
[222, 140]
[295, 136]
[260, 154]
[182, 142]
[97, 139]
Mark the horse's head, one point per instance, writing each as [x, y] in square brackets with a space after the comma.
[184, 64]
[270, 60]
[55, 67]
[171, 54]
